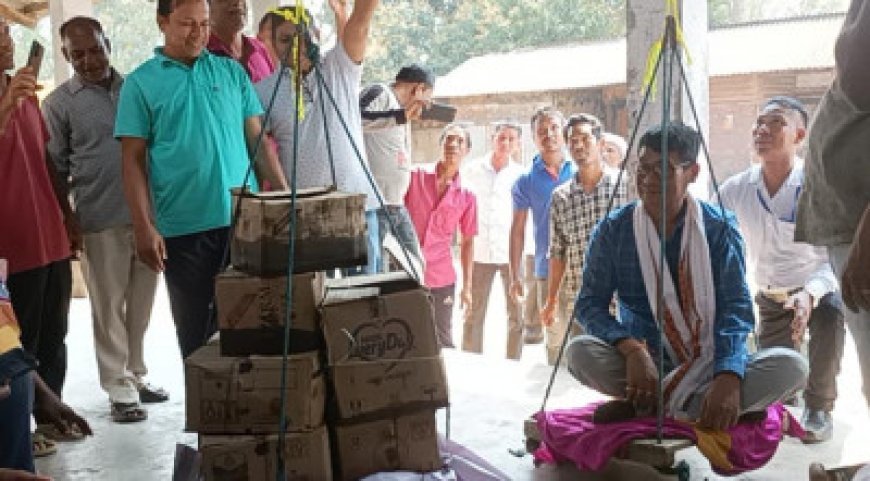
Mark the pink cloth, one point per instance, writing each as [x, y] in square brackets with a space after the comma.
[569, 435]
[259, 64]
[437, 219]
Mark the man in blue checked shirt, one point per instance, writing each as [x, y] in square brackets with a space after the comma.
[707, 309]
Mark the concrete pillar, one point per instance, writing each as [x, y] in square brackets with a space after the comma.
[60, 11]
[646, 24]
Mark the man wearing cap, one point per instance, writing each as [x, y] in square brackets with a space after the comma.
[386, 114]
[326, 120]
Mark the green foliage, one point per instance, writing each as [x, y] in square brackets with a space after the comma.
[444, 33]
[132, 30]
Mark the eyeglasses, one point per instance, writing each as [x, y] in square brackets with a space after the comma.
[646, 168]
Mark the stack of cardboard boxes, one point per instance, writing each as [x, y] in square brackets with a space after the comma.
[372, 387]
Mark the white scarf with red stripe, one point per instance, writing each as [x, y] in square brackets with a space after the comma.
[687, 328]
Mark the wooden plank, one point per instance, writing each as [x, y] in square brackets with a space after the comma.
[14, 15]
[655, 454]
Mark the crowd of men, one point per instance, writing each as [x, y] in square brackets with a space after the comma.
[133, 175]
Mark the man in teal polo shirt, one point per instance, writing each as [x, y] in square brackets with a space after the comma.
[186, 120]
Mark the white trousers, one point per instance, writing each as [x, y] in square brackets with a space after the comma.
[121, 290]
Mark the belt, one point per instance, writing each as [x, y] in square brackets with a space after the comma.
[779, 294]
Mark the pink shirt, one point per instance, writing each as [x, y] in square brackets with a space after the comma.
[32, 233]
[436, 220]
[259, 64]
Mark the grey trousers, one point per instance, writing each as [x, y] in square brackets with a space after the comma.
[827, 334]
[481, 285]
[771, 374]
[858, 322]
[442, 305]
[531, 309]
[555, 332]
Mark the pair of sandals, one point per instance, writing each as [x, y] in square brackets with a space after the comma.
[134, 412]
[46, 437]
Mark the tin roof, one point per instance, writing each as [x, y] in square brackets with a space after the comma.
[791, 44]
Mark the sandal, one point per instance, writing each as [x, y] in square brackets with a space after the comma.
[42, 446]
[845, 473]
[52, 432]
[128, 412]
[152, 394]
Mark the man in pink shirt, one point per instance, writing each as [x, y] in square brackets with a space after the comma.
[228, 19]
[439, 206]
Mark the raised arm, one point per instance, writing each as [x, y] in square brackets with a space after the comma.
[853, 71]
[356, 33]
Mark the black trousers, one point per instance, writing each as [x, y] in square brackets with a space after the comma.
[40, 298]
[192, 263]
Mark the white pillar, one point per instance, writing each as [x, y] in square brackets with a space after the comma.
[646, 24]
[60, 11]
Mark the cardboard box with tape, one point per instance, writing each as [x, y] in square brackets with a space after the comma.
[408, 442]
[254, 457]
[370, 323]
[251, 311]
[330, 231]
[242, 395]
[385, 387]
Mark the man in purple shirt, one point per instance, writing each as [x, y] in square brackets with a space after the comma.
[440, 206]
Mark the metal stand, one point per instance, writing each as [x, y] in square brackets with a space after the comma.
[668, 58]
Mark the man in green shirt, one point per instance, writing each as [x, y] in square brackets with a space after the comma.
[187, 120]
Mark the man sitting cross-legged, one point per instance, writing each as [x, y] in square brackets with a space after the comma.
[707, 309]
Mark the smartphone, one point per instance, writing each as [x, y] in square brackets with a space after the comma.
[440, 112]
[34, 59]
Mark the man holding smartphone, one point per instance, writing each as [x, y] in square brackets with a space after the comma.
[39, 231]
[387, 111]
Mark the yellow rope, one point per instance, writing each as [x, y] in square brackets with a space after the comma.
[298, 16]
[656, 48]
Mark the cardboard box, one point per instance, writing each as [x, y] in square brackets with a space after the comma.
[364, 388]
[242, 395]
[254, 457]
[251, 311]
[408, 443]
[330, 231]
[364, 324]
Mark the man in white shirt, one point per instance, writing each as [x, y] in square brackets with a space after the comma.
[491, 179]
[796, 285]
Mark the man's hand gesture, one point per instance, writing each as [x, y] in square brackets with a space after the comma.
[721, 407]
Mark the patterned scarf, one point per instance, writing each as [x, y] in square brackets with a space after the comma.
[688, 317]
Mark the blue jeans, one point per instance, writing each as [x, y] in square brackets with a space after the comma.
[16, 451]
[405, 233]
[373, 246]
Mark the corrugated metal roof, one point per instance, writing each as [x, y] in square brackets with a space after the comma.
[794, 44]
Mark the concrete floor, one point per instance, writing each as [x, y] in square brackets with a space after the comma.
[490, 398]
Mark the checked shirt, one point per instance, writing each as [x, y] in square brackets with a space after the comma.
[573, 215]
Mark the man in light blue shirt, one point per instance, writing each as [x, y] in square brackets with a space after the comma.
[187, 120]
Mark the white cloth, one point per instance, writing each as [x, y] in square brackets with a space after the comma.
[767, 224]
[694, 245]
[342, 77]
[494, 206]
